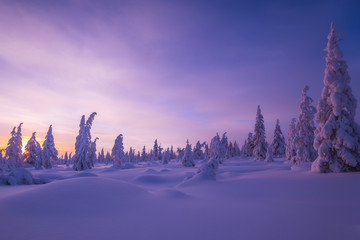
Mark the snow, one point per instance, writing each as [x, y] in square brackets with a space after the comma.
[248, 200]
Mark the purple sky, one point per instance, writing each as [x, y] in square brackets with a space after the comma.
[169, 70]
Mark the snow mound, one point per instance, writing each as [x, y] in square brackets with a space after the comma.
[75, 197]
[21, 176]
[151, 171]
[150, 179]
[84, 174]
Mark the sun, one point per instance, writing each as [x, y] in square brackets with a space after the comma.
[25, 139]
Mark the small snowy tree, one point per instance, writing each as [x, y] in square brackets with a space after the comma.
[143, 155]
[13, 154]
[188, 159]
[83, 144]
[260, 145]
[156, 150]
[304, 131]
[32, 154]
[117, 153]
[290, 150]
[337, 136]
[237, 151]
[249, 145]
[278, 144]
[166, 156]
[217, 149]
[92, 154]
[269, 154]
[198, 153]
[49, 153]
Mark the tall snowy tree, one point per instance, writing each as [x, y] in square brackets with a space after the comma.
[188, 159]
[83, 144]
[13, 154]
[156, 150]
[290, 150]
[278, 144]
[117, 153]
[337, 136]
[32, 154]
[49, 153]
[260, 145]
[304, 131]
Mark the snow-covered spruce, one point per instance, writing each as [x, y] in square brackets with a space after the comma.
[49, 152]
[188, 159]
[269, 154]
[117, 152]
[198, 153]
[166, 156]
[290, 150]
[92, 154]
[32, 154]
[337, 136]
[259, 140]
[217, 149]
[278, 144]
[13, 154]
[82, 144]
[304, 131]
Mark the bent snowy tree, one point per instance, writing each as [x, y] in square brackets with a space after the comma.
[337, 136]
[83, 144]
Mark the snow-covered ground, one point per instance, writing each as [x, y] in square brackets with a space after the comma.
[249, 200]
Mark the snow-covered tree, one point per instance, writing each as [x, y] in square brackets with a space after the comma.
[304, 131]
[290, 150]
[13, 154]
[269, 154]
[278, 144]
[32, 154]
[180, 152]
[188, 159]
[117, 153]
[172, 154]
[83, 144]
[217, 149]
[260, 145]
[166, 156]
[92, 153]
[143, 155]
[337, 136]
[49, 152]
[236, 149]
[249, 145]
[206, 151]
[198, 153]
[209, 169]
[156, 150]
[66, 159]
[107, 158]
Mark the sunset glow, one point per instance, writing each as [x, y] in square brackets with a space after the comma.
[161, 70]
